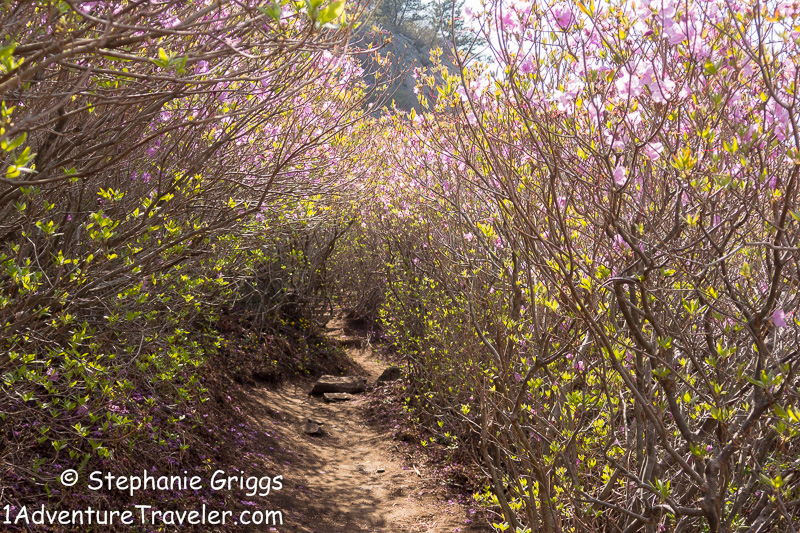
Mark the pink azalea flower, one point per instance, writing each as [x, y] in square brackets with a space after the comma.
[509, 23]
[527, 67]
[619, 242]
[779, 318]
[563, 16]
[653, 150]
[620, 175]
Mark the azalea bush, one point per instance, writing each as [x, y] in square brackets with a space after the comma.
[587, 248]
[603, 265]
[150, 149]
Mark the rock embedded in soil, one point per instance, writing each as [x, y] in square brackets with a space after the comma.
[331, 397]
[392, 373]
[349, 342]
[312, 428]
[348, 384]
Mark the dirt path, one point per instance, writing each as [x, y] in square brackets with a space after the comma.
[350, 479]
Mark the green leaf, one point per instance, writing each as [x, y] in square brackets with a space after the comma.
[6, 51]
[24, 157]
[332, 12]
[181, 67]
[13, 144]
[273, 11]
[312, 8]
[163, 60]
[756, 382]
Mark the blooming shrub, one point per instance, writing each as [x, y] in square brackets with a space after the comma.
[600, 272]
[587, 251]
[146, 149]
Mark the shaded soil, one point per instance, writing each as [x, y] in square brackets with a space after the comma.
[353, 478]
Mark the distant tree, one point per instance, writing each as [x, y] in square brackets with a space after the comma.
[446, 17]
[399, 13]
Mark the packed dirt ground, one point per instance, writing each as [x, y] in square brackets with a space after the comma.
[353, 477]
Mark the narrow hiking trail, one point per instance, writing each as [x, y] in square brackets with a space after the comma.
[350, 479]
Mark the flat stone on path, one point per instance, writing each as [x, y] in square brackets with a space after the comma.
[348, 384]
[392, 373]
[331, 397]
